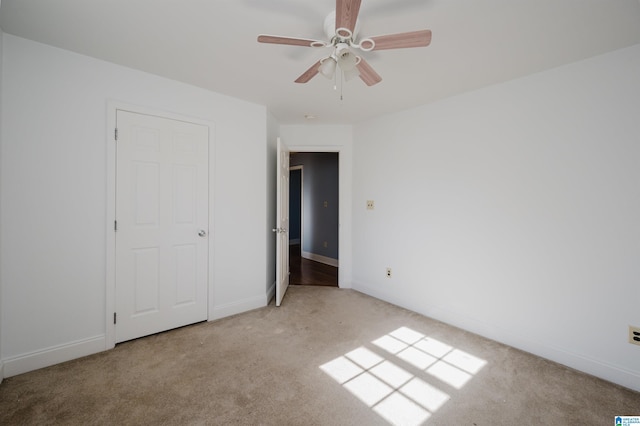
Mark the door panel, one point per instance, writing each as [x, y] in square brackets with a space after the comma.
[282, 226]
[145, 281]
[146, 182]
[162, 176]
[185, 280]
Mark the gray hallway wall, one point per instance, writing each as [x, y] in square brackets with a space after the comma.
[320, 182]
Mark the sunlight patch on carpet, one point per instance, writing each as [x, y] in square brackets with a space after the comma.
[400, 377]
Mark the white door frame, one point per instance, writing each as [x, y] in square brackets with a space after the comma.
[110, 303]
[301, 168]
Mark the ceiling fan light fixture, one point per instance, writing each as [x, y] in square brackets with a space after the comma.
[328, 67]
[345, 57]
[351, 74]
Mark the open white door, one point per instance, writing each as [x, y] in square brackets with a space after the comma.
[282, 225]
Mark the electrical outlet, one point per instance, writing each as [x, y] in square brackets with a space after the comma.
[369, 204]
[325, 244]
[634, 335]
[326, 204]
[388, 272]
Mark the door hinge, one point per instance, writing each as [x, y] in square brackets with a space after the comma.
[115, 225]
[114, 317]
[116, 133]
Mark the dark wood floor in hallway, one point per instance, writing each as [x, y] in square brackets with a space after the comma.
[309, 272]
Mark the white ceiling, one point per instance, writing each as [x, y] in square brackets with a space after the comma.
[212, 44]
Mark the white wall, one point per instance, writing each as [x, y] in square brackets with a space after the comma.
[331, 138]
[513, 212]
[54, 197]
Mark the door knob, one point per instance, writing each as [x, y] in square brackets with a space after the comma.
[202, 233]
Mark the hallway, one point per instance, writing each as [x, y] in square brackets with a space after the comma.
[308, 272]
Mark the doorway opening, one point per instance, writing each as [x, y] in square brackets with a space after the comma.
[313, 215]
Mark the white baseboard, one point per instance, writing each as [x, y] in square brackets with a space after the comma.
[602, 369]
[53, 355]
[319, 258]
[240, 306]
[1, 371]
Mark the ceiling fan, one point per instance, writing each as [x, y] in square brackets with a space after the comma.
[341, 27]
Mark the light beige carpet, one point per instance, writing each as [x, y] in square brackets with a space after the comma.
[326, 357]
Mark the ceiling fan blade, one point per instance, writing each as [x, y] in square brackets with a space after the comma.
[401, 40]
[262, 38]
[367, 74]
[347, 13]
[309, 74]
